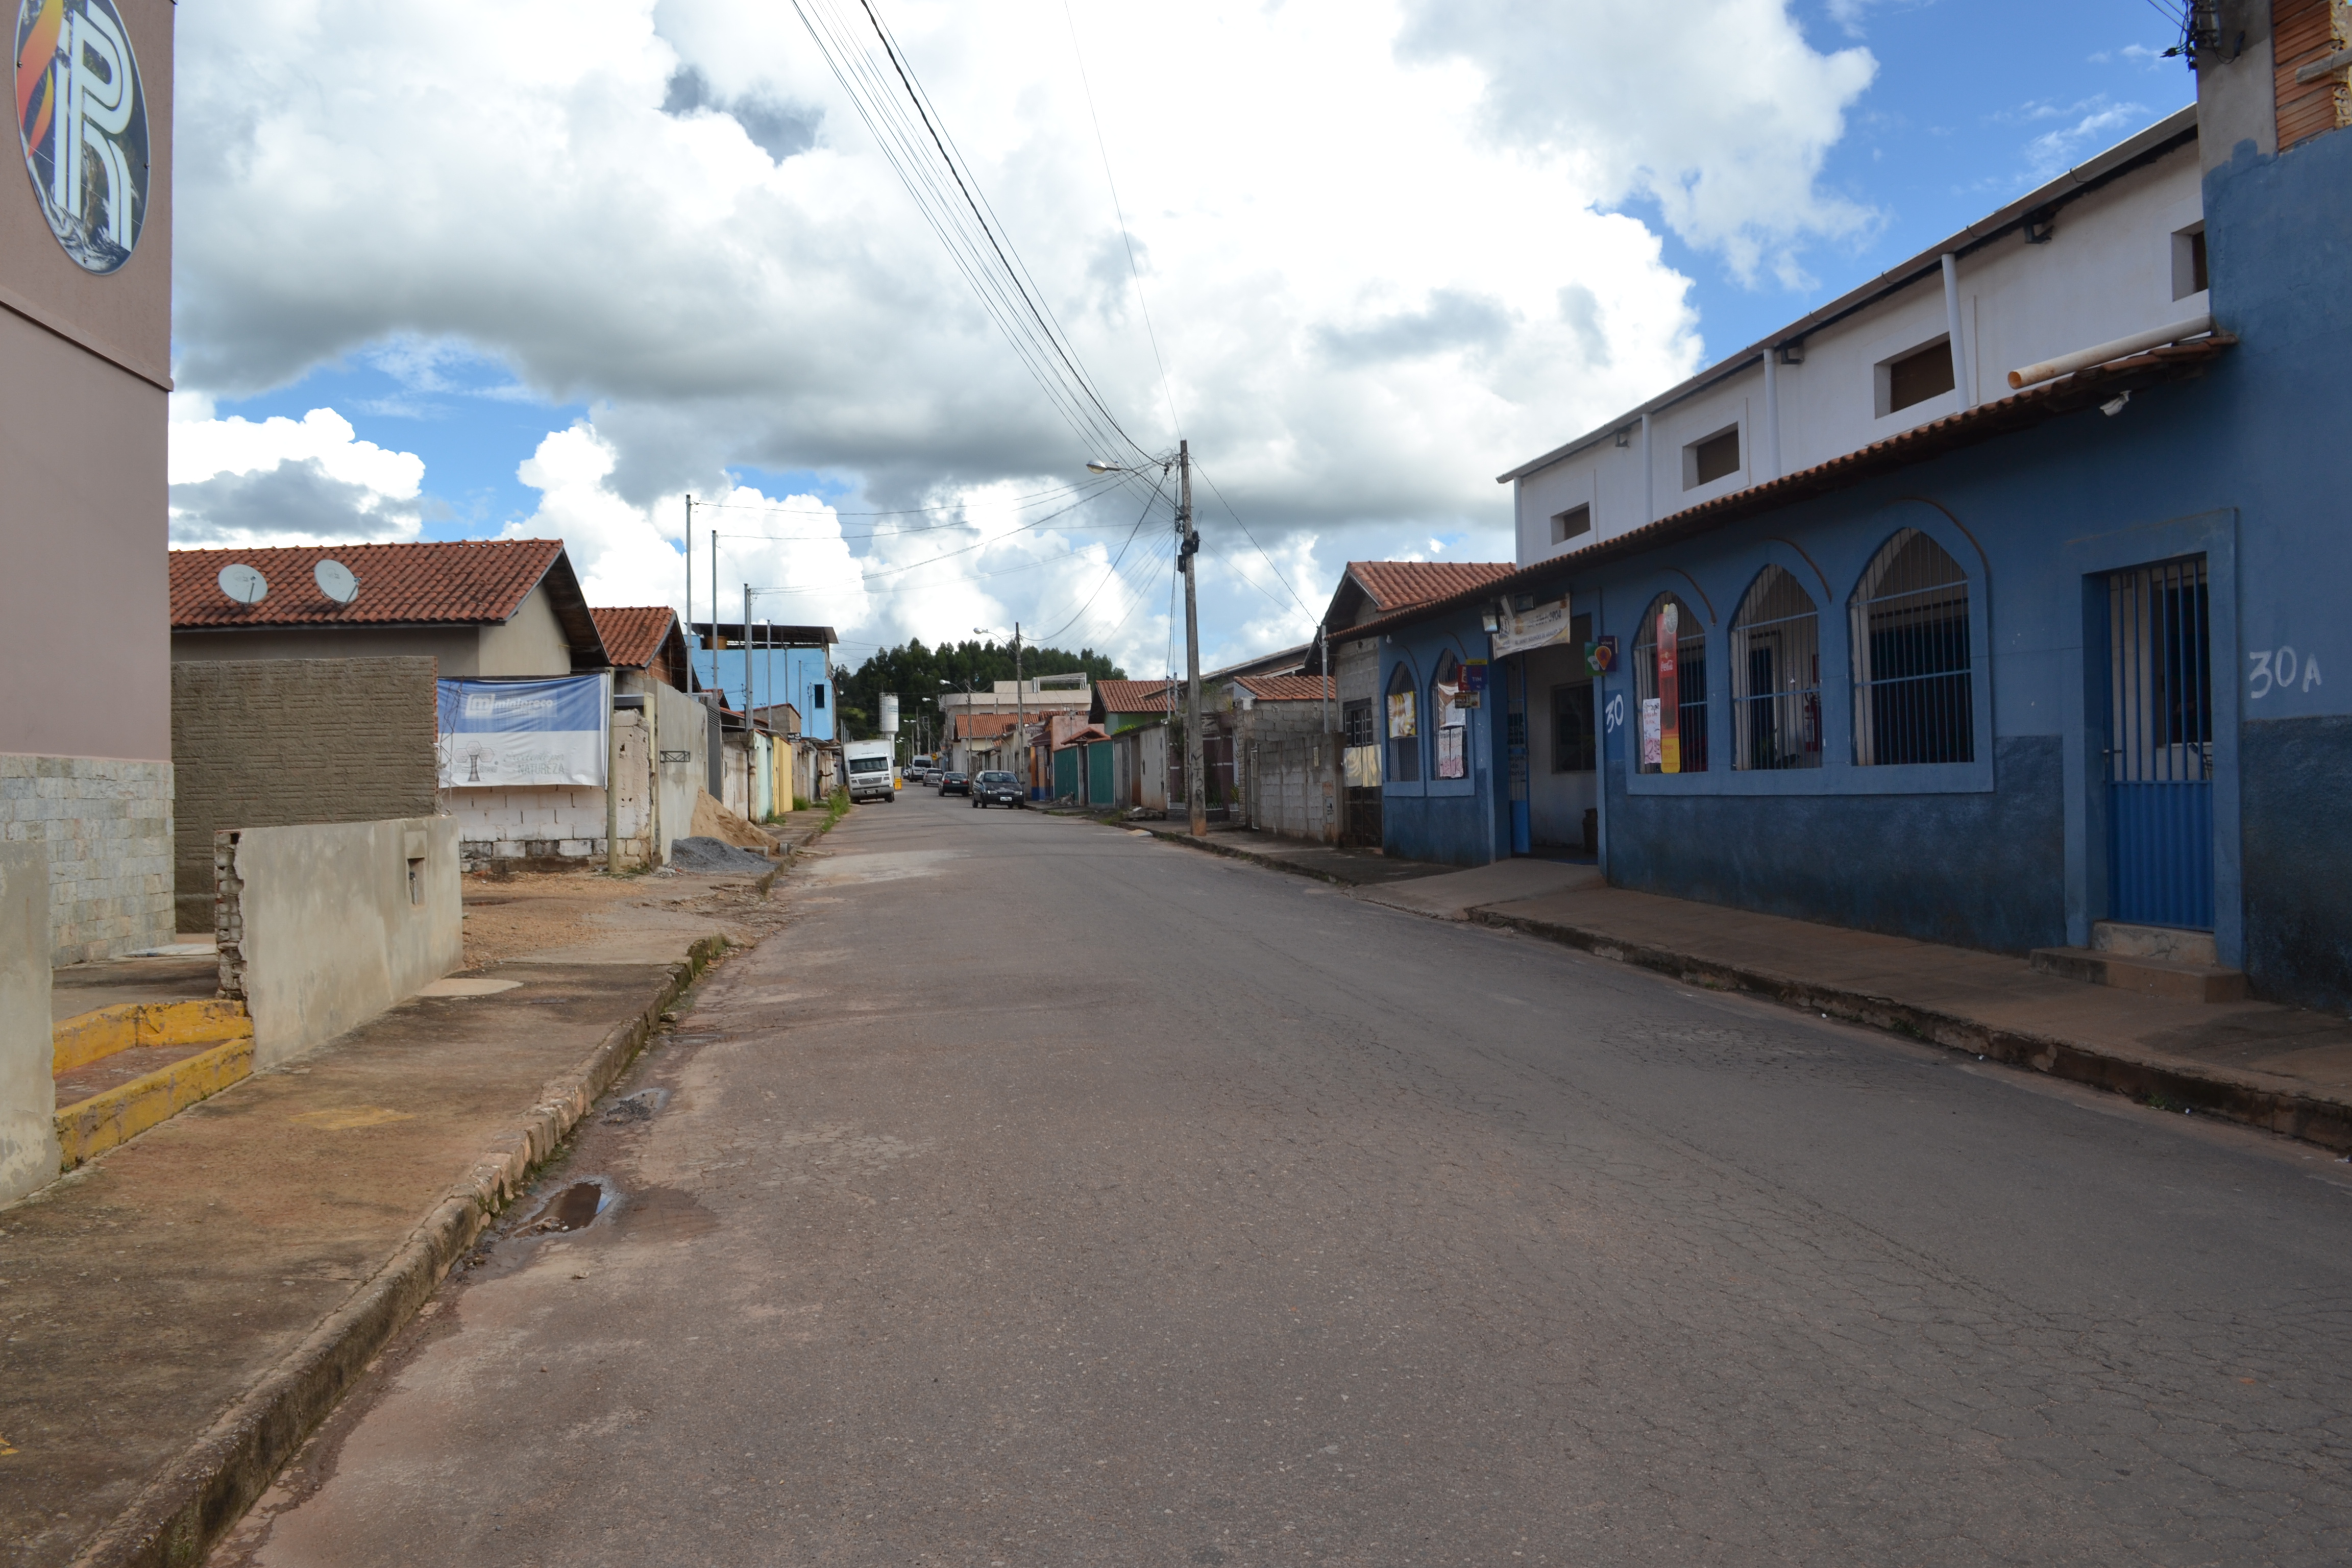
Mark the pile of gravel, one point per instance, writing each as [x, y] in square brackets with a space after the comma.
[716, 855]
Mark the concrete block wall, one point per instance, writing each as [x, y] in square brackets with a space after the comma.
[324, 926]
[276, 743]
[28, 1094]
[105, 826]
[538, 825]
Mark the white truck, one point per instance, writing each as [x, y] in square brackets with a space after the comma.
[867, 764]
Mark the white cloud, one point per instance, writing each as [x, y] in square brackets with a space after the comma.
[1717, 109]
[1377, 248]
[285, 481]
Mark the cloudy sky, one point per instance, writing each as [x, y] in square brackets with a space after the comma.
[541, 269]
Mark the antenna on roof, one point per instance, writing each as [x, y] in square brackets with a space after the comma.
[335, 580]
[243, 584]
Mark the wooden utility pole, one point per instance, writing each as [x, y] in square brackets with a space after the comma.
[1196, 786]
[1019, 719]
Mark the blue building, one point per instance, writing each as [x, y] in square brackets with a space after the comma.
[770, 664]
[1994, 602]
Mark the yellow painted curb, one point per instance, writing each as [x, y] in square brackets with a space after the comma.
[86, 1037]
[102, 1120]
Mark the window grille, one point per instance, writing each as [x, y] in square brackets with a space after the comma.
[1776, 674]
[1689, 732]
[1358, 717]
[1449, 732]
[1914, 698]
[1404, 728]
[2160, 681]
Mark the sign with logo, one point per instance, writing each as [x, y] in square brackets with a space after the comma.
[496, 732]
[1600, 654]
[81, 115]
[1541, 627]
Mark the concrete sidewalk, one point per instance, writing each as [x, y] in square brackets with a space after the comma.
[2282, 1068]
[177, 1315]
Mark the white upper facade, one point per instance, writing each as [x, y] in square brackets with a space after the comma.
[2063, 268]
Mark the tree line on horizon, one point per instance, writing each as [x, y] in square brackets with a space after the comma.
[918, 673]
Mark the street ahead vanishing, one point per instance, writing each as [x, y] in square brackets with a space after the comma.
[1047, 1195]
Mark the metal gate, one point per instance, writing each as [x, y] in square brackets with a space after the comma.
[2160, 746]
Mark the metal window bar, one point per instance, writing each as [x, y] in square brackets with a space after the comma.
[1776, 676]
[1913, 686]
[1690, 678]
[2160, 677]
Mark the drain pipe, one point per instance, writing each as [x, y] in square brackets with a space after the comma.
[1963, 367]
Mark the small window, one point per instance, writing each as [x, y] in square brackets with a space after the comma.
[1913, 686]
[1450, 726]
[1914, 377]
[1567, 525]
[1717, 457]
[2188, 261]
[1670, 688]
[1776, 674]
[816, 695]
[1358, 717]
[1571, 728]
[1404, 729]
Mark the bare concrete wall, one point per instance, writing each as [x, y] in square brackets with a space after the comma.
[325, 925]
[28, 1094]
[456, 650]
[275, 742]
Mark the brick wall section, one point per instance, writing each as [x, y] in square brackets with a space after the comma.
[278, 743]
[107, 825]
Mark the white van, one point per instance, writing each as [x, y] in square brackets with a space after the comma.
[867, 764]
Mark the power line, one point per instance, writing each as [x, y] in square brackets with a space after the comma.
[902, 512]
[1140, 520]
[1254, 544]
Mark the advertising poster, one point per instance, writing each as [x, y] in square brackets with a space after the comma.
[1400, 716]
[1453, 755]
[1669, 698]
[551, 732]
[1540, 627]
[1649, 740]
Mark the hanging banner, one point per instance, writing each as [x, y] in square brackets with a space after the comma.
[1401, 715]
[496, 732]
[1670, 739]
[1650, 740]
[1453, 754]
[1540, 627]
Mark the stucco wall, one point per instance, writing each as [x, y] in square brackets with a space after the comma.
[268, 743]
[29, 1096]
[530, 642]
[324, 926]
[455, 650]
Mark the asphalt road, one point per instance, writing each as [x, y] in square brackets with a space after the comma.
[1044, 1194]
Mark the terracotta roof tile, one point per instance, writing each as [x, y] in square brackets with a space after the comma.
[473, 582]
[1286, 688]
[1134, 696]
[633, 633]
[1399, 585]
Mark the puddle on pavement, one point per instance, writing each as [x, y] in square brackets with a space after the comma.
[574, 1208]
[635, 1110]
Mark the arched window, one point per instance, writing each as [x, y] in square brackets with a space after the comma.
[1776, 674]
[1670, 687]
[1449, 734]
[1913, 697]
[1404, 727]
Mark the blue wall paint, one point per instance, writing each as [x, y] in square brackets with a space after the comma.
[2299, 854]
[1454, 822]
[785, 675]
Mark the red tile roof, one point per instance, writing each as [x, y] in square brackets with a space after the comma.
[1134, 696]
[633, 633]
[457, 582]
[1396, 584]
[1286, 688]
[972, 725]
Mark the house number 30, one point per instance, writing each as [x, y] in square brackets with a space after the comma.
[2277, 670]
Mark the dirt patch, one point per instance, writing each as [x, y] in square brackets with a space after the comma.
[529, 911]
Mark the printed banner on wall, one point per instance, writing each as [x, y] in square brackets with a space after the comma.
[496, 732]
[1540, 627]
[1401, 715]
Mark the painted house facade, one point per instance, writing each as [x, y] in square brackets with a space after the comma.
[2030, 662]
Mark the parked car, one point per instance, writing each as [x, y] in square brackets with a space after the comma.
[997, 788]
[953, 783]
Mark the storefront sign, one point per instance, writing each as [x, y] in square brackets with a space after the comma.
[82, 117]
[1540, 627]
[496, 732]
[1600, 654]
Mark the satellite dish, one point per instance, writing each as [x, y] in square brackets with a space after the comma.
[243, 584]
[335, 580]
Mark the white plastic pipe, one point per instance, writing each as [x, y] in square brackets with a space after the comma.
[2083, 359]
[1771, 415]
[1963, 371]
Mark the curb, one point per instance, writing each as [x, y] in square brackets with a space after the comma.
[2326, 1123]
[175, 1520]
[1270, 862]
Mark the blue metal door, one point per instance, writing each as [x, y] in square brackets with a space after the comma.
[2160, 746]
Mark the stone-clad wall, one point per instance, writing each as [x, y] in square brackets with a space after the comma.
[107, 825]
[282, 742]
